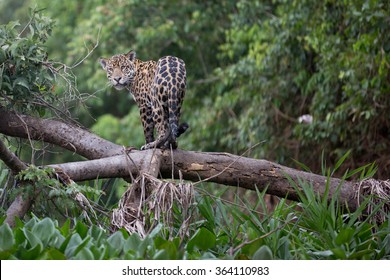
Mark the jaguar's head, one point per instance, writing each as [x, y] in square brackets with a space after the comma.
[120, 69]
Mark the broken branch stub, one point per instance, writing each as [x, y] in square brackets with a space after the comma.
[149, 200]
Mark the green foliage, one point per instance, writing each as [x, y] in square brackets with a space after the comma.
[40, 176]
[328, 59]
[51, 191]
[336, 236]
[222, 230]
[25, 81]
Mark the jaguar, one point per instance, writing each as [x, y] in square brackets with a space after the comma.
[158, 88]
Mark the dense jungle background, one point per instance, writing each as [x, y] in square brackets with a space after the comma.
[302, 81]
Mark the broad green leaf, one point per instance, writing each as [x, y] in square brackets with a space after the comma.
[252, 247]
[21, 81]
[6, 255]
[344, 236]
[169, 248]
[161, 255]
[339, 253]
[97, 233]
[156, 230]
[144, 246]
[30, 224]
[84, 254]
[54, 254]
[82, 245]
[283, 250]
[208, 256]
[7, 238]
[116, 243]
[98, 253]
[33, 253]
[132, 243]
[2, 219]
[20, 237]
[263, 253]
[44, 230]
[32, 239]
[74, 241]
[12, 24]
[65, 229]
[203, 239]
[81, 229]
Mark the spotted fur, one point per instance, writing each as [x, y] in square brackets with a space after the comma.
[158, 88]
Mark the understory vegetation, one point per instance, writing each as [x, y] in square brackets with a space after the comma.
[219, 229]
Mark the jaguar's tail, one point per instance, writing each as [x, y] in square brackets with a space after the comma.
[182, 128]
[176, 130]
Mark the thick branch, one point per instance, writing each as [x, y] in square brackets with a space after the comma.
[113, 167]
[20, 205]
[10, 159]
[220, 168]
[232, 170]
[70, 137]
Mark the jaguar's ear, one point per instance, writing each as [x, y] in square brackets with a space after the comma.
[131, 55]
[103, 62]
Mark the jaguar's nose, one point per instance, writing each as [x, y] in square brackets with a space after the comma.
[117, 79]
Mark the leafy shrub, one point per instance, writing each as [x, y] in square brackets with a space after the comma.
[26, 80]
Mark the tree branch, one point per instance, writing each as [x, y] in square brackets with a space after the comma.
[67, 136]
[222, 168]
[10, 159]
[21, 204]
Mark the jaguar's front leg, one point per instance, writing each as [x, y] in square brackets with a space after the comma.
[146, 114]
[163, 136]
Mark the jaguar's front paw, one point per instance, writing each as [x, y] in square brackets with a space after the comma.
[148, 146]
[144, 147]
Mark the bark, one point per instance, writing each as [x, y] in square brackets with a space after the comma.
[18, 208]
[68, 136]
[233, 170]
[121, 166]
